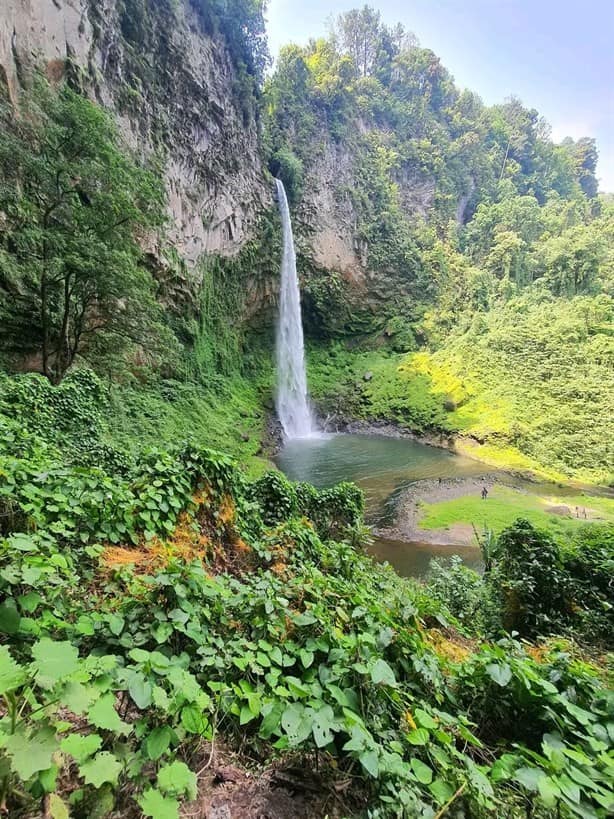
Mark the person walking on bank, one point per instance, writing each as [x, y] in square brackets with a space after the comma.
[484, 493]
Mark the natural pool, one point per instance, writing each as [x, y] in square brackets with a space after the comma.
[383, 467]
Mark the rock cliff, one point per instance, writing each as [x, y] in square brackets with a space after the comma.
[174, 91]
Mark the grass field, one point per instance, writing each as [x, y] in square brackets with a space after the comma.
[504, 505]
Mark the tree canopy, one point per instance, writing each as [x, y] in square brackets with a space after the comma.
[76, 210]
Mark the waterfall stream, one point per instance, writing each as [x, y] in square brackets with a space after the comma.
[291, 401]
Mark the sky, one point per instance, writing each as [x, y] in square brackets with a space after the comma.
[556, 55]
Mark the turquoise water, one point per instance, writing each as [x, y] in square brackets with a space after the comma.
[383, 467]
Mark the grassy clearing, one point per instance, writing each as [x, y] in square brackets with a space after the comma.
[504, 505]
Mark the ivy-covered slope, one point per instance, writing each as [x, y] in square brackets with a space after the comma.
[155, 612]
[526, 385]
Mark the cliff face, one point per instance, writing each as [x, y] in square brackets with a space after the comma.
[357, 261]
[330, 221]
[174, 91]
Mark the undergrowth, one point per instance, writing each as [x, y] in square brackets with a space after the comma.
[150, 613]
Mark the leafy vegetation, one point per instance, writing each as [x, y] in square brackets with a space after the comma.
[534, 583]
[72, 279]
[225, 607]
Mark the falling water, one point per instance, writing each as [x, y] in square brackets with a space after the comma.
[292, 404]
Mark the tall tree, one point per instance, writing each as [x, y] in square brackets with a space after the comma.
[73, 204]
[359, 32]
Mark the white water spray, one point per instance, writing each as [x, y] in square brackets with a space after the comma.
[291, 402]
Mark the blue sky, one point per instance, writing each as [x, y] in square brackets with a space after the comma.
[557, 56]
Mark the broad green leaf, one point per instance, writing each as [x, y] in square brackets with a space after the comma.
[441, 790]
[104, 767]
[501, 674]
[193, 719]
[358, 741]
[306, 619]
[53, 661]
[419, 736]
[246, 715]
[160, 698]
[424, 720]
[162, 632]
[31, 752]
[382, 674]
[296, 721]
[569, 788]
[29, 602]
[369, 761]
[584, 717]
[176, 779]
[306, 658]
[529, 777]
[78, 697]
[9, 618]
[323, 723]
[504, 767]
[140, 689]
[548, 790]
[81, 747]
[102, 714]
[480, 781]
[12, 676]
[85, 625]
[276, 655]
[423, 773]
[272, 720]
[297, 687]
[116, 624]
[48, 779]
[158, 742]
[157, 806]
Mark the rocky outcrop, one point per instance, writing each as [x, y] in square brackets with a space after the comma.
[330, 235]
[327, 219]
[174, 91]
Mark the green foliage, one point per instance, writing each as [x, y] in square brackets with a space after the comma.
[392, 392]
[241, 23]
[589, 561]
[72, 280]
[334, 512]
[302, 646]
[527, 384]
[533, 585]
[557, 711]
[535, 375]
[457, 587]
[529, 579]
[285, 165]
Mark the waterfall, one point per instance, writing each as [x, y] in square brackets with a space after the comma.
[291, 401]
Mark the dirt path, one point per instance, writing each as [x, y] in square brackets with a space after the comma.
[297, 789]
[408, 513]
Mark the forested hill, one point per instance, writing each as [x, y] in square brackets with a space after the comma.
[429, 220]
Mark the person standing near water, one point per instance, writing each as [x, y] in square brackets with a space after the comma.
[484, 493]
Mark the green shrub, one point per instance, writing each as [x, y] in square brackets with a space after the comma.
[457, 587]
